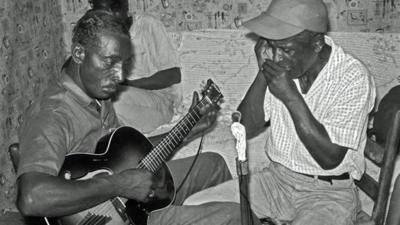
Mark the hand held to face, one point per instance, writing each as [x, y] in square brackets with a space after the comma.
[262, 51]
[279, 82]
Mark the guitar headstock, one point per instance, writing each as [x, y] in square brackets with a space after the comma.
[212, 91]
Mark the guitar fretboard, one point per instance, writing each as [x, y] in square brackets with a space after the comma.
[174, 138]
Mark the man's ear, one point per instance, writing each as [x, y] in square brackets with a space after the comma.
[78, 53]
[318, 42]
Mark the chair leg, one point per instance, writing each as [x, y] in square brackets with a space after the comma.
[393, 217]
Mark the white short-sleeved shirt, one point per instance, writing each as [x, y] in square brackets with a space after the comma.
[340, 98]
[154, 51]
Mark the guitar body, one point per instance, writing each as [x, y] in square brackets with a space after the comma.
[122, 149]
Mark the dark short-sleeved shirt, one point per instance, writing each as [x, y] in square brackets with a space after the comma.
[64, 120]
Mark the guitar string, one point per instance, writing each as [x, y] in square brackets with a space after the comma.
[155, 156]
[179, 125]
[171, 148]
[147, 160]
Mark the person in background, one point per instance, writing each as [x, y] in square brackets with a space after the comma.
[317, 99]
[152, 91]
[73, 115]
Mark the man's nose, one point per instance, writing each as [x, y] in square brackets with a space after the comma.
[277, 57]
[117, 73]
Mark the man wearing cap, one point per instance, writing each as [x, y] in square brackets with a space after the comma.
[317, 99]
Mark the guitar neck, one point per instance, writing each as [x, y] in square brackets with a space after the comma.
[174, 138]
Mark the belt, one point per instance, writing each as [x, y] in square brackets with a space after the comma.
[343, 176]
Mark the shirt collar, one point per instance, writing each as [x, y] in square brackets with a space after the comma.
[75, 90]
[334, 59]
[335, 50]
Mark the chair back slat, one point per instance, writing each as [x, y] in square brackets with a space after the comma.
[374, 152]
[369, 185]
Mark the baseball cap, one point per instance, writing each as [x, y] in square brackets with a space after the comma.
[285, 18]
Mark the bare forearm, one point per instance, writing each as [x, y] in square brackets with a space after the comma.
[160, 80]
[57, 197]
[252, 107]
[314, 136]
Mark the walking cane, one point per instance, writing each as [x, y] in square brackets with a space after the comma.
[242, 168]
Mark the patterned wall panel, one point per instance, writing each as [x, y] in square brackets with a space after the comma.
[345, 15]
[30, 56]
[189, 15]
[71, 10]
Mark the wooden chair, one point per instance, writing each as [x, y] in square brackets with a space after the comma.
[384, 157]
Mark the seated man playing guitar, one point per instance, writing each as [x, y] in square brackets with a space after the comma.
[66, 133]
